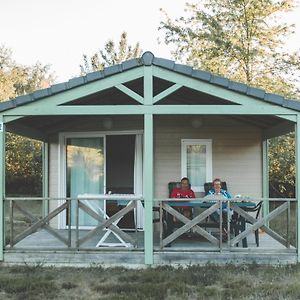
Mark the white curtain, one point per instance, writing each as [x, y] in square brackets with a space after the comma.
[138, 179]
[196, 164]
[85, 173]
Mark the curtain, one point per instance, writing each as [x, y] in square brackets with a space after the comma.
[85, 174]
[196, 164]
[138, 179]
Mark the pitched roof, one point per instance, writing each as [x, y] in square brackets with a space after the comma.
[148, 59]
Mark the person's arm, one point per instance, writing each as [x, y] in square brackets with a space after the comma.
[193, 194]
[228, 195]
[211, 192]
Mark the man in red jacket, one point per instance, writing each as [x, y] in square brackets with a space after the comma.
[184, 192]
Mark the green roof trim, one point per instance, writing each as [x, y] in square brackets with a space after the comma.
[148, 59]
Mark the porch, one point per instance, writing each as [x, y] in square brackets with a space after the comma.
[173, 114]
[36, 242]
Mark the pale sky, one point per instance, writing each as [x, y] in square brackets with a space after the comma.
[58, 32]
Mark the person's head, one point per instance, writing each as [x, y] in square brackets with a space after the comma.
[217, 184]
[185, 183]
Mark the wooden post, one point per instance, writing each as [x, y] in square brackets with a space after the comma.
[297, 185]
[265, 177]
[2, 187]
[45, 166]
[148, 167]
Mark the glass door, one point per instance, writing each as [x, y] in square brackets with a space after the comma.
[85, 173]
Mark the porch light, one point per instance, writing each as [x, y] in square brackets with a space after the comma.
[197, 122]
[107, 123]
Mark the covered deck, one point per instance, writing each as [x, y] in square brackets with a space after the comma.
[167, 104]
[36, 242]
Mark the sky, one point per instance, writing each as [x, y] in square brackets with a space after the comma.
[59, 32]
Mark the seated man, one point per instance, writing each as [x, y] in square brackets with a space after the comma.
[184, 192]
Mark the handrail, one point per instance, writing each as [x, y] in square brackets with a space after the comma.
[36, 198]
[140, 197]
[244, 199]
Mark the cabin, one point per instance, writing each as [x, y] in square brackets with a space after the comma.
[114, 139]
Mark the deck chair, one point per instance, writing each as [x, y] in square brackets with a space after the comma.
[257, 209]
[168, 221]
[214, 218]
[207, 187]
[236, 222]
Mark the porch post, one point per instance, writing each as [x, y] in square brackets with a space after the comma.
[297, 185]
[2, 186]
[148, 188]
[265, 176]
[45, 178]
[148, 167]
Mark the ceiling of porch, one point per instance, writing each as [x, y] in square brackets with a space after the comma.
[47, 127]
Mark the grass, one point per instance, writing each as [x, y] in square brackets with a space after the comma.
[194, 282]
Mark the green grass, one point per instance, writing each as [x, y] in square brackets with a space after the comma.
[194, 282]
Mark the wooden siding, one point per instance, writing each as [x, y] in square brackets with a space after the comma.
[236, 151]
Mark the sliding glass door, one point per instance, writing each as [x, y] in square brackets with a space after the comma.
[85, 174]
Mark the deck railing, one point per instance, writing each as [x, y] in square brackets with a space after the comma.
[71, 236]
[243, 218]
[278, 223]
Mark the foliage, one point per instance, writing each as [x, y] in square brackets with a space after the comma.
[282, 166]
[244, 40]
[23, 165]
[16, 80]
[110, 55]
[240, 39]
[23, 156]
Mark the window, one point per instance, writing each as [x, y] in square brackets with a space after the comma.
[196, 162]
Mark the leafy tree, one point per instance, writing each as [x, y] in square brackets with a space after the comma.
[240, 39]
[23, 155]
[245, 41]
[110, 55]
[282, 166]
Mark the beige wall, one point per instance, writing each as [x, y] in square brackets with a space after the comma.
[236, 151]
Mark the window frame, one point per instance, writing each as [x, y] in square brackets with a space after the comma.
[191, 142]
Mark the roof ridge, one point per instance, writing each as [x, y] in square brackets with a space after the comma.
[148, 59]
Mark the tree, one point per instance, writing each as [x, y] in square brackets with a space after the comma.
[110, 55]
[23, 155]
[240, 39]
[282, 166]
[244, 40]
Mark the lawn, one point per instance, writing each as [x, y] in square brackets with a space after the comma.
[194, 282]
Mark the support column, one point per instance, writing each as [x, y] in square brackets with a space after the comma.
[297, 185]
[2, 186]
[148, 185]
[45, 178]
[265, 176]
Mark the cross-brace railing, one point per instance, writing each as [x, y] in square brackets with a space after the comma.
[106, 223]
[237, 211]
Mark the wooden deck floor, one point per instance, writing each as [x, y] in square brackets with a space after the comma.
[43, 247]
[43, 240]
